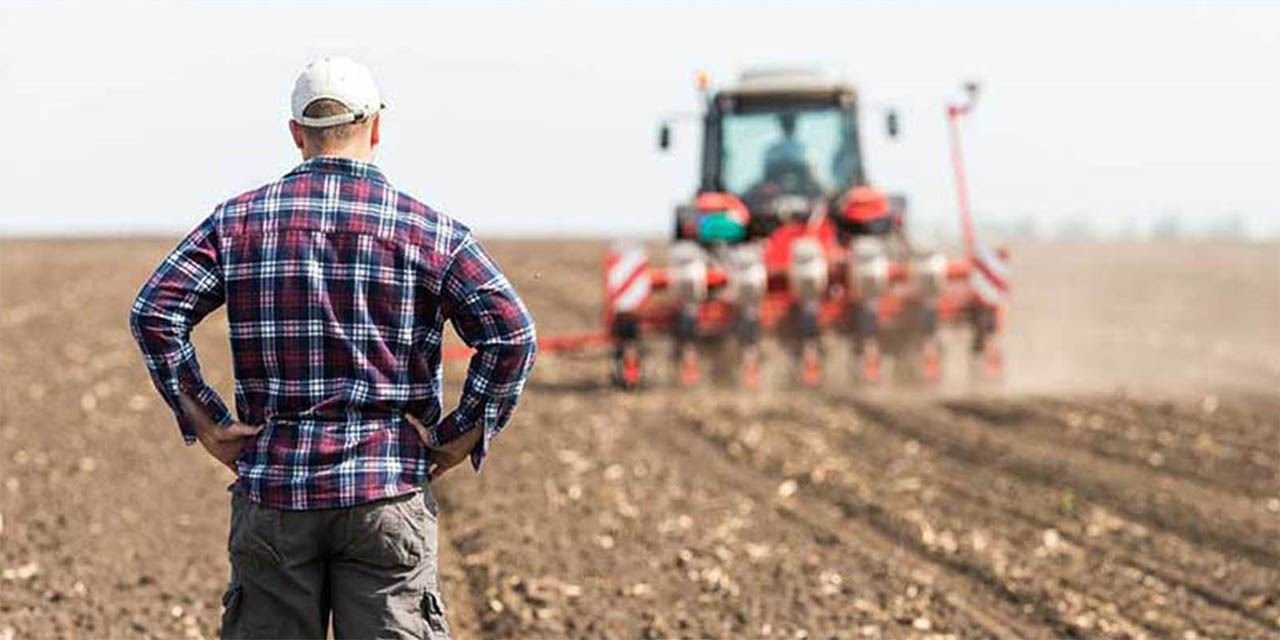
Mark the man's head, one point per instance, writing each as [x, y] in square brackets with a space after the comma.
[336, 109]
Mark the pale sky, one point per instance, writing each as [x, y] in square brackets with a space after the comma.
[540, 118]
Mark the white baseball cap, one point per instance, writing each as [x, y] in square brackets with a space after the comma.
[336, 78]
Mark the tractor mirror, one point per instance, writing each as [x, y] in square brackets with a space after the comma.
[664, 137]
[891, 123]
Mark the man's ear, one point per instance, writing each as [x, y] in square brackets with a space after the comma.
[296, 131]
[375, 131]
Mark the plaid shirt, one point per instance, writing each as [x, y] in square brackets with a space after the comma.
[337, 287]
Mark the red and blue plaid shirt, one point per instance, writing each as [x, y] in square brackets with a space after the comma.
[337, 287]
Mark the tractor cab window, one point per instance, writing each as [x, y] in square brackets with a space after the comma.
[796, 151]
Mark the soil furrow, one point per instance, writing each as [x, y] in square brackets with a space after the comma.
[876, 527]
[1248, 586]
[1222, 521]
[1127, 555]
[997, 513]
[886, 541]
[494, 563]
[1150, 456]
[1242, 431]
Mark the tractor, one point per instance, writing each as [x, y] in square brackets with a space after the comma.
[787, 237]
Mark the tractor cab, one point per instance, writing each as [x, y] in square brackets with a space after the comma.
[783, 143]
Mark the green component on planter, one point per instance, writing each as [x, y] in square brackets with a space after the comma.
[719, 227]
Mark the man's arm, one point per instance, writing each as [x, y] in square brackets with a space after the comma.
[490, 318]
[183, 290]
[223, 442]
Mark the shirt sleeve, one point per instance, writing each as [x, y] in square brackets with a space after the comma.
[183, 290]
[490, 318]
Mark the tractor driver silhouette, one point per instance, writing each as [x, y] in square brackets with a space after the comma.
[786, 165]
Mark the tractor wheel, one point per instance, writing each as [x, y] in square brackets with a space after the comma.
[687, 362]
[810, 364]
[931, 361]
[751, 367]
[868, 363]
[628, 369]
[992, 361]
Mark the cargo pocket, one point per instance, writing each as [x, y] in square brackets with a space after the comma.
[390, 534]
[231, 611]
[429, 502]
[433, 614]
[252, 531]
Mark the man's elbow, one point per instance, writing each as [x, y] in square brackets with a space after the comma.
[530, 354]
[524, 349]
[137, 320]
[142, 319]
[531, 342]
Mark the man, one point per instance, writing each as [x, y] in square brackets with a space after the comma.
[788, 150]
[337, 287]
[786, 163]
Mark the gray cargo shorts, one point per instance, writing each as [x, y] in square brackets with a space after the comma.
[372, 567]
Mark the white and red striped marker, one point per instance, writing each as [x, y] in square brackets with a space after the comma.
[627, 282]
[989, 276]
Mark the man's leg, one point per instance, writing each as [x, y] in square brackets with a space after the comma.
[277, 585]
[383, 571]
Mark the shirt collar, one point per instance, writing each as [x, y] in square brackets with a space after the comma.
[334, 164]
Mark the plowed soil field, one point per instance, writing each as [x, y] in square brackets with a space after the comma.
[1124, 482]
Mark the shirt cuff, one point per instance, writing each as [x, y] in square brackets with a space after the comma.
[481, 449]
[451, 428]
[209, 402]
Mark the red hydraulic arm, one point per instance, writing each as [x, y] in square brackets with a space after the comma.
[954, 113]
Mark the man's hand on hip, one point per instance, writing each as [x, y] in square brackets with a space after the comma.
[450, 454]
[223, 443]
